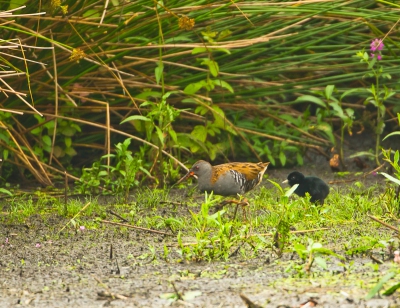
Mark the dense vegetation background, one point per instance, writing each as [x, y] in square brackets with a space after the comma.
[217, 80]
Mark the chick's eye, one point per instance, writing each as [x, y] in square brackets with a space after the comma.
[197, 167]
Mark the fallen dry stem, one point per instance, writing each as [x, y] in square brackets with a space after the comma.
[84, 208]
[384, 223]
[135, 227]
[259, 234]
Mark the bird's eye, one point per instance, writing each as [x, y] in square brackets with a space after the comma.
[197, 167]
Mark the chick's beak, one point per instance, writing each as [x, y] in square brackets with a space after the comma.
[188, 175]
[285, 181]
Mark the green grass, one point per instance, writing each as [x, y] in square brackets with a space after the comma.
[329, 258]
[201, 234]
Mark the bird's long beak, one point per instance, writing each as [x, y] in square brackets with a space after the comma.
[188, 175]
[285, 181]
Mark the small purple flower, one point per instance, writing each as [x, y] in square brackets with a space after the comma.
[82, 228]
[6, 240]
[37, 245]
[376, 47]
[376, 44]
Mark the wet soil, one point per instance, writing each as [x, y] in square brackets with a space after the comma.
[111, 267]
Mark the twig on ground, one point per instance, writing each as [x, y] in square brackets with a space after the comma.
[248, 302]
[108, 292]
[84, 208]
[376, 259]
[376, 169]
[173, 202]
[135, 227]
[341, 181]
[117, 215]
[178, 294]
[384, 223]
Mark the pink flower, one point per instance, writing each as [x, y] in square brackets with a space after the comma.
[6, 240]
[376, 45]
[397, 257]
[82, 228]
[37, 245]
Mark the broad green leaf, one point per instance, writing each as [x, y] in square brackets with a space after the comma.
[300, 160]
[351, 91]
[103, 173]
[200, 133]
[68, 131]
[193, 87]
[70, 151]
[224, 33]
[321, 262]
[198, 50]
[350, 112]
[391, 290]
[312, 99]
[160, 135]
[16, 3]
[135, 118]
[5, 154]
[179, 38]
[212, 152]
[301, 250]
[171, 296]
[68, 142]
[46, 140]
[391, 134]
[328, 91]
[5, 191]
[91, 13]
[372, 63]
[222, 49]
[172, 133]
[146, 94]
[338, 109]
[327, 129]
[223, 84]
[379, 285]
[159, 71]
[214, 68]
[282, 158]
[58, 151]
[276, 185]
[362, 153]
[37, 130]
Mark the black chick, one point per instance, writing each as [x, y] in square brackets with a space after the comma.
[317, 188]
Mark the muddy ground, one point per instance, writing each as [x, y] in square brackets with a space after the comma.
[79, 268]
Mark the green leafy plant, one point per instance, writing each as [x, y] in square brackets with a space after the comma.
[45, 130]
[377, 92]
[213, 234]
[157, 124]
[213, 68]
[282, 235]
[331, 106]
[387, 154]
[118, 178]
[314, 252]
